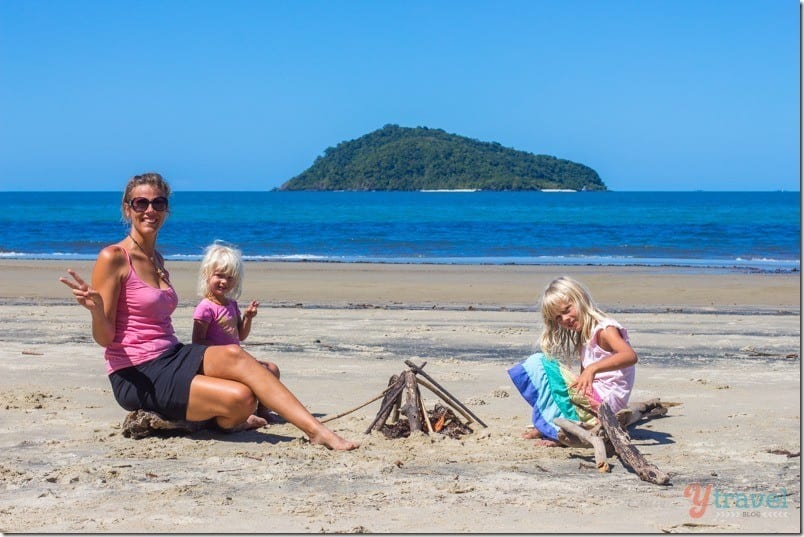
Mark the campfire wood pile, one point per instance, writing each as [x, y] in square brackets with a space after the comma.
[441, 419]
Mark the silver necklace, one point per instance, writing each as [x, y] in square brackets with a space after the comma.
[160, 269]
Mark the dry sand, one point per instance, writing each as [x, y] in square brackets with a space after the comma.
[726, 346]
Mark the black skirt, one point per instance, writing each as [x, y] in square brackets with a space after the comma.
[161, 385]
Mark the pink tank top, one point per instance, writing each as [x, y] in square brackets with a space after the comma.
[143, 328]
[614, 387]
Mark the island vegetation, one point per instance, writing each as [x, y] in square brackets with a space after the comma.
[421, 158]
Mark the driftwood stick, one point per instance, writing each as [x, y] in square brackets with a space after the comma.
[626, 451]
[424, 411]
[597, 442]
[419, 370]
[385, 409]
[346, 412]
[635, 412]
[412, 404]
[643, 406]
[395, 406]
[642, 411]
[390, 399]
[395, 409]
[568, 439]
[575, 432]
[444, 398]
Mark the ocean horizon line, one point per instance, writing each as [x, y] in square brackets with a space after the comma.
[460, 191]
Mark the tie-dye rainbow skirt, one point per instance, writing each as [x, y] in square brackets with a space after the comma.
[544, 382]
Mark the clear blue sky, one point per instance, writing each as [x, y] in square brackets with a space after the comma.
[244, 95]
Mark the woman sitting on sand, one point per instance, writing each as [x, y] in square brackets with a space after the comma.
[131, 301]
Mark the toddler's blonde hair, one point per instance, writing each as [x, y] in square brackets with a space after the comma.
[224, 258]
[558, 341]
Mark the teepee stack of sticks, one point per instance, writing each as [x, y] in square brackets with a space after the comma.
[403, 396]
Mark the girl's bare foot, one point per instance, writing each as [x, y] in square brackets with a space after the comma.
[330, 440]
[252, 422]
[534, 434]
[531, 434]
[269, 416]
[543, 442]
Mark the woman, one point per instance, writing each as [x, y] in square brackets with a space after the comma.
[131, 301]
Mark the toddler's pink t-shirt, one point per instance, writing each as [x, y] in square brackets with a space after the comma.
[221, 321]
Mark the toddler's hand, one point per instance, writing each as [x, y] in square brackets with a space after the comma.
[251, 310]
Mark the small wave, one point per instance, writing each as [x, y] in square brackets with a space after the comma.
[52, 255]
[292, 257]
[754, 264]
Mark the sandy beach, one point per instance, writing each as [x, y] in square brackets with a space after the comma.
[724, 345]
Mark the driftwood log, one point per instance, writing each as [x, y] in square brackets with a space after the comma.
[412, 407]
[626, 451]
[143, 423]
[573, 432]
[608, 437]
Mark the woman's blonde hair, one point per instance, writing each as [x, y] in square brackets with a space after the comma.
[224, 258]
[556, 340]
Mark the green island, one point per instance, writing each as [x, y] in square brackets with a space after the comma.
[421, 158]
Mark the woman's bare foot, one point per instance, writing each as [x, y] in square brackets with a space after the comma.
[330, 440]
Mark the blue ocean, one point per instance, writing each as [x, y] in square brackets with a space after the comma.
[758, 231]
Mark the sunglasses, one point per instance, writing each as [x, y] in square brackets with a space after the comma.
[140, 205]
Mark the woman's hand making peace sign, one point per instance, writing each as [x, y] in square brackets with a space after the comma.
[88, 297]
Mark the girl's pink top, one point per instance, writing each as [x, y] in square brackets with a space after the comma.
[143, 329]
[221, 321]
[614, 387]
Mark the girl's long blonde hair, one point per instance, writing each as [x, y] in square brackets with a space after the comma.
[560, 342]
[225, 258]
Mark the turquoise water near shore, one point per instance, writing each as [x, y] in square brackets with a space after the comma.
[744, 230]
